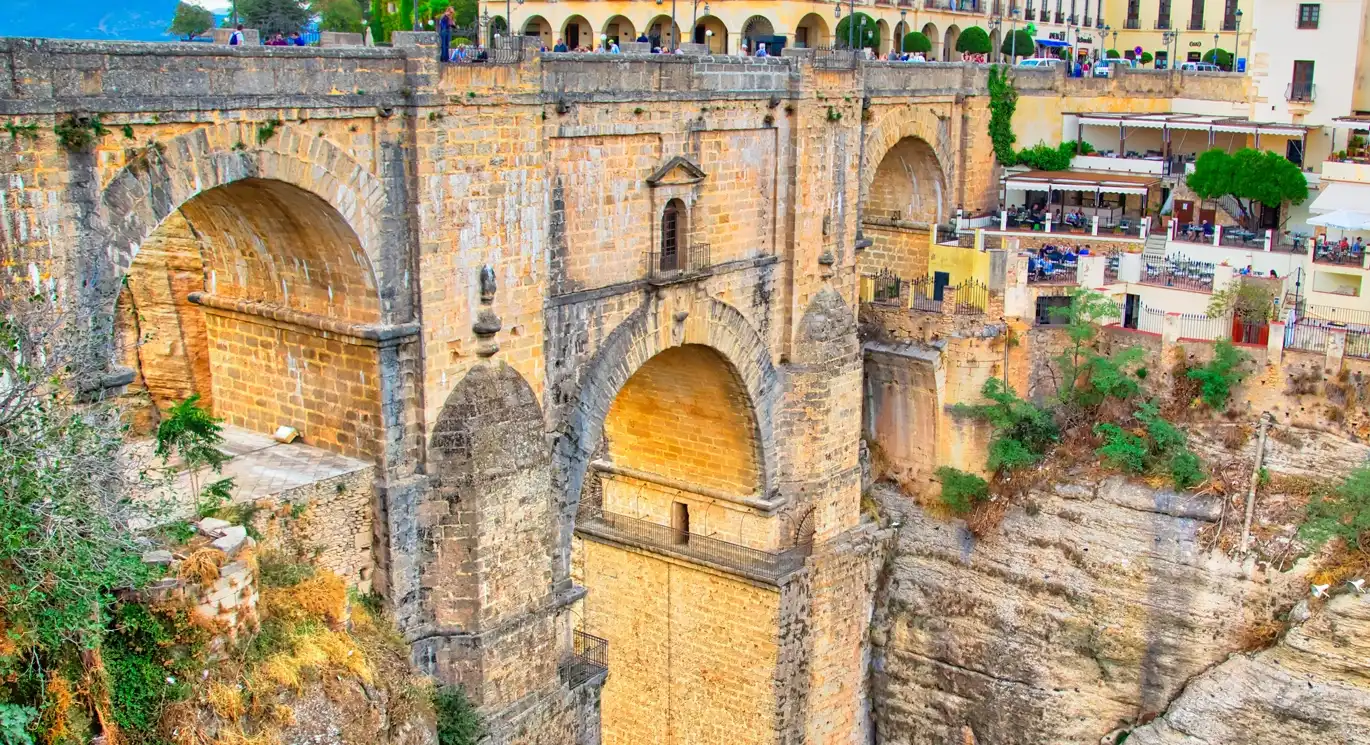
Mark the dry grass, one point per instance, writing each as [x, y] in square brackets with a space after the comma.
[226, 701]
[56, 721]
[1342, 563]
[202, 566]
[1258, 636]
[322, 597]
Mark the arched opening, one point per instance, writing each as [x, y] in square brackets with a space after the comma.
[674, 222]
[900, 31]
[949, 52]
[662, 32]
[935, 40]
[249, 295]
[680, 445]
[498, 27]
[619, 29]
[756, 30]
[578, 34]
[538, 28]
[882, 29]
[812, 32]
[711, 32]
[907, 193]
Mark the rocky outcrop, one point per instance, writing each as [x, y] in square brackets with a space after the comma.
[1090, 608]
[1312, 687]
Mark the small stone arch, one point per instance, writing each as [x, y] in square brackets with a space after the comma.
[539, 27]
[660, 31]
[935, 40]
[882, 29]
[755, 30]
[812, 32]
[711, 30]
[619, 29]
[577, 32]
[949, 52]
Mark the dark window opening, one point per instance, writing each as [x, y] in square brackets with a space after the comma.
[670, 236]
[1308, 15]
[1045, 306]
[680, 521]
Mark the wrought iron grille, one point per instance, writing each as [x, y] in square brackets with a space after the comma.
[590, 657]
[1190, 275]
[672, 264]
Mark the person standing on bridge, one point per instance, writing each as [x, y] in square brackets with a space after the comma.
[445, 24]
[235, 39]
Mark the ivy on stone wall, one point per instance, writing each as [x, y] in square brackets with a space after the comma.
[1003, 100]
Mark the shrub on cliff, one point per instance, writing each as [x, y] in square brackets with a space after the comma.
[1344, 514]
[458, 722]
[1087, 377]
[1022, 431]
[1153, 445]
[1220, 374]
[960, 490]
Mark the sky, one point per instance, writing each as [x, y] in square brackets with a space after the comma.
[133, 20]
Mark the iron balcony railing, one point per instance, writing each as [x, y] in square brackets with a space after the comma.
[1054, 273]
[1302, 92]
[1132, 23]
[1088, 22]
[595, 521]
[1060, 17]
[668, 266]
[590, 657]
[1230, 23]
[1196, 24]
[1189, 275]
[1046, 15]
[1163, 23]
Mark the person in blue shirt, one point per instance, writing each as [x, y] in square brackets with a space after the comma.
[446, 22]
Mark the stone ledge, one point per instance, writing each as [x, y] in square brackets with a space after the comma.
[381, 334]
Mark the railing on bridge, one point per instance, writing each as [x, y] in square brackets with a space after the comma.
[590, 657]
[1180, 273]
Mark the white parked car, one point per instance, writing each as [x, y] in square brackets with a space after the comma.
[1039, 62]
[1200, 67]
[1104, 67]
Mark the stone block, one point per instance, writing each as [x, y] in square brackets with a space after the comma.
[413, 39]
[339, 39]
[231, 540]
[160, 557]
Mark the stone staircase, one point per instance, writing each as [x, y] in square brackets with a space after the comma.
[1154, 250]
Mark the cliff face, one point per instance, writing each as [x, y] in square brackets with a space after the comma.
[1312, 687]
[1089, 609]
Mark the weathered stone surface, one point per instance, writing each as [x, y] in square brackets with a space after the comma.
[231, 539]
[1088, 610]
[1312, 687]
[212, 526]
[160, 557]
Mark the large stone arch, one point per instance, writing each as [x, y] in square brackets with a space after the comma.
[652, 328]
[897, 123]
[159, 181]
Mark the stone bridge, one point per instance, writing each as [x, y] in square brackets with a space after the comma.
[509, 286]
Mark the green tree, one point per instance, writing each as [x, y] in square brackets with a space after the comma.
[405, 21]
[458, 721]
[273, 17]
[1088, 378]
[1112, 54]
[192, 435]
[974, 40]
[1248, 300]
[1249, 176]
[917, 41]
[190, 21]
[1220, 57]
[1147, 58]
[1019, 44]
[867, 34]
[375, 20]
[338, 15]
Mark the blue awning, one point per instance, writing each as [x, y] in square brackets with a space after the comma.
[1052, 43]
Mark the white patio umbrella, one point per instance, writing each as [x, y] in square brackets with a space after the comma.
[1343, 220]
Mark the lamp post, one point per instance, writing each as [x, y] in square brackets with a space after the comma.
[485, 23]
[1013, 35]
[903, 29]
[1237, 40]
[1215, 49]
[836, 13]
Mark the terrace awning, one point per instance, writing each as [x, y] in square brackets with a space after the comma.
[1192, 122]
[1342, 195]
[1087, 181]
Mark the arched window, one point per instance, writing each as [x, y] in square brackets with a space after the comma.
[672, 233]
